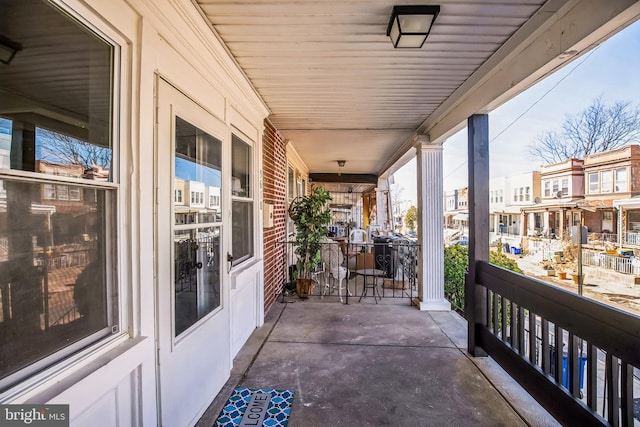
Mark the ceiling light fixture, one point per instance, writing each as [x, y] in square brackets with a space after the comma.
[409, 26]
[8, 49]
[340, 166]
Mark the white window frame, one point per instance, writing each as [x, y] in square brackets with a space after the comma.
[250, 198]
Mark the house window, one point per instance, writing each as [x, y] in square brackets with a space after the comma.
[547, 189]
[621, 180]
[515, 194]
[521, 194]
[178, 195]
[73, 260]
[593, 183]
[63, 192]
[74, 194]
[49, 192]
[527, 194]
[555, 188]
[565, 186]
[241, 201]
[606, 181]
[491, 194]
[501, 196]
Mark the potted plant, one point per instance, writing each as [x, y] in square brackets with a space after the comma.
[311, 216]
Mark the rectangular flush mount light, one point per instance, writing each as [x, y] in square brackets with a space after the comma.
[8, 49]
[409, 26]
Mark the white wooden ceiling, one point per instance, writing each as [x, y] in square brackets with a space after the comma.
[334, 83]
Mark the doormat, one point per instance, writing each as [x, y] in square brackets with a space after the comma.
[256, 407]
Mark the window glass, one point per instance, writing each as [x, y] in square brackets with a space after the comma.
[240, 168]
[565, 186]
[593, 183]
[555, 188]
[527, 193]
[547, 189]
[621, 179]
[241, 204]
[606, 182]
[57, 265]
[197, 262]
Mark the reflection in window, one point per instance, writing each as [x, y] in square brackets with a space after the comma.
[197, 261]
[60, 295]
[241, 205]
[240, 167]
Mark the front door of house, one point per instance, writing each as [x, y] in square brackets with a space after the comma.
[193, 332]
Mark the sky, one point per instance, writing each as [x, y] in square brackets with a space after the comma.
[612, 71]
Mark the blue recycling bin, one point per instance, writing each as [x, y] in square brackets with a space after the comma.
[582, 360]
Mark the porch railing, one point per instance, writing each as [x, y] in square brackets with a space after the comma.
[574, 355]
[610, 262]
[386, 268]
[632, 238]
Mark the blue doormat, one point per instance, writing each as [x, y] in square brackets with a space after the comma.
[277, 414]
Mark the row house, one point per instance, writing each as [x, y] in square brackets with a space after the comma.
[507, 196]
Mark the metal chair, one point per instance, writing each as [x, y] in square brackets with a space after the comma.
[332, 259]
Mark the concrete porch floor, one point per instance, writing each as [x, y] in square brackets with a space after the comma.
[364, 364]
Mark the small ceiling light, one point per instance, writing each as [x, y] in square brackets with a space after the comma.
[8, 49]
[409, 26]
[340, 166]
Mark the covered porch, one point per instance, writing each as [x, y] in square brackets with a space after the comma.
[385, 364]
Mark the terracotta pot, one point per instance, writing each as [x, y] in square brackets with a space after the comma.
[304, 287]
[575, 278]
[562, 275]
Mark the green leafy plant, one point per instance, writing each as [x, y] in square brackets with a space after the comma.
[456, 264]
[311, 216]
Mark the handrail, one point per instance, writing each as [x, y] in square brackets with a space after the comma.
[528, 319]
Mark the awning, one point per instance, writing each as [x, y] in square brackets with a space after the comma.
[461, 217]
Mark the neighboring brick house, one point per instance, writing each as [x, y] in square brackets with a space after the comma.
[609, 176]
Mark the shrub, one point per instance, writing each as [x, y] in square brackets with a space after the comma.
[456, 264]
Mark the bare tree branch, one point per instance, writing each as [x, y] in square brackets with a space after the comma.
[65, 149]
[596, 129]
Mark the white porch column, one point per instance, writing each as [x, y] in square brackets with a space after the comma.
[382, 204]
[430, 228]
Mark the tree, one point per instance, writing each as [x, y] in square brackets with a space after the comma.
[411, 217]
[596, 129]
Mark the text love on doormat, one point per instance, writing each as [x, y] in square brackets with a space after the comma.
[256, 407]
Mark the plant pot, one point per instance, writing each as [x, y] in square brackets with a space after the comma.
[551, 272]
[575, 278]
[304, 287]
[562, 275]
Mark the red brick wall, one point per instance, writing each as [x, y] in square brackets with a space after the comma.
[274, 177]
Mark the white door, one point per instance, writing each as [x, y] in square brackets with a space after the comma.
[193, 326]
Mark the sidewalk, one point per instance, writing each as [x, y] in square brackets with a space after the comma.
[606, 286]
[371, 365]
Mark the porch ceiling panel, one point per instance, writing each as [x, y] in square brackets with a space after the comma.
[338, 89]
